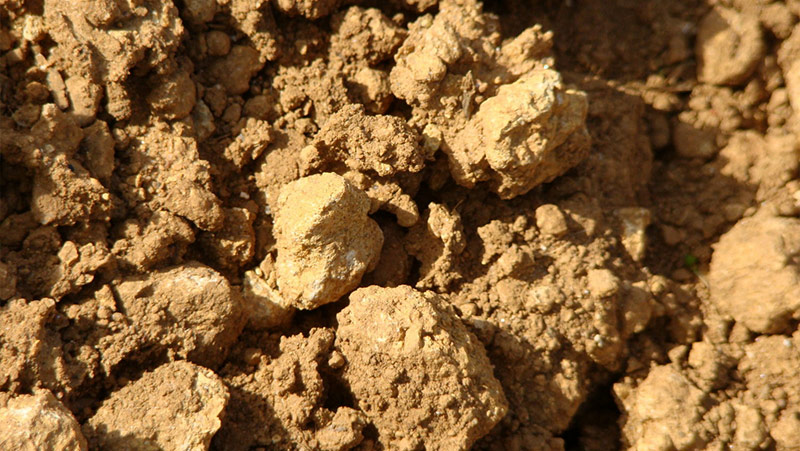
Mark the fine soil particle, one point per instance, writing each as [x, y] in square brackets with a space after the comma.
[411, 224]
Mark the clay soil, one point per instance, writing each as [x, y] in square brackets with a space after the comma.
[400, 225]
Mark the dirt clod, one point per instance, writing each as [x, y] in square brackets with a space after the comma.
[406, 224]
[754, 275]
[177, 406]
[397, 342]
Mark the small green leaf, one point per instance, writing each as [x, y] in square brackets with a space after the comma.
[690, 261]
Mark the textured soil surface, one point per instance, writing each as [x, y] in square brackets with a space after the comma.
[399, 225]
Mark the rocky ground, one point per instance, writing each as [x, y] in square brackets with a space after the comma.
[400, 225]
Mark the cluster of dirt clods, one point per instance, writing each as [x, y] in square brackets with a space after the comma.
[414, 224]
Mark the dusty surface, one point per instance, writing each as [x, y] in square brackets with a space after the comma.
[415, 370]
[413, 224]
[176, 406]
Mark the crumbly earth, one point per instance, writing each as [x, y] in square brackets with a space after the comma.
[177, 406]
[410, 224]
[410, 360]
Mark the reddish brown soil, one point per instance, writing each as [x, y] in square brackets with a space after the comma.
[405, 224]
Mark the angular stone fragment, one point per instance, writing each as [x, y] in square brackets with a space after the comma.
[531, 132]
[178, 406]
[264, 305]
[325, 240]
[39, 422]
[415, 370]
[662, 412]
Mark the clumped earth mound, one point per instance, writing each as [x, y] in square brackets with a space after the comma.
[413, 224]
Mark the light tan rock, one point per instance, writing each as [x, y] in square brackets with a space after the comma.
[531, 132]
[551, 221]
[661, 412]
[264, 305]
[325, 240]
[729, 47]
[310, 9]
[39, 422]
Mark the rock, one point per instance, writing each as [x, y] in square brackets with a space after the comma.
[310, 9]
[99, 146]
[324, 238]
[39, 422]
[635, 221]
[551, 221]
[164, 309]
[178, 406]
[531, 132]
[414, 369]
[729, 47]
[754, 274]
[602, 283]
[264, 305]
[84, 96]
[661, 412]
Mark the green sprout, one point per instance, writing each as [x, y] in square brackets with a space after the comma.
[691, 263]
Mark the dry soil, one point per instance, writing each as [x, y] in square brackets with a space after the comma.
[400, 224]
